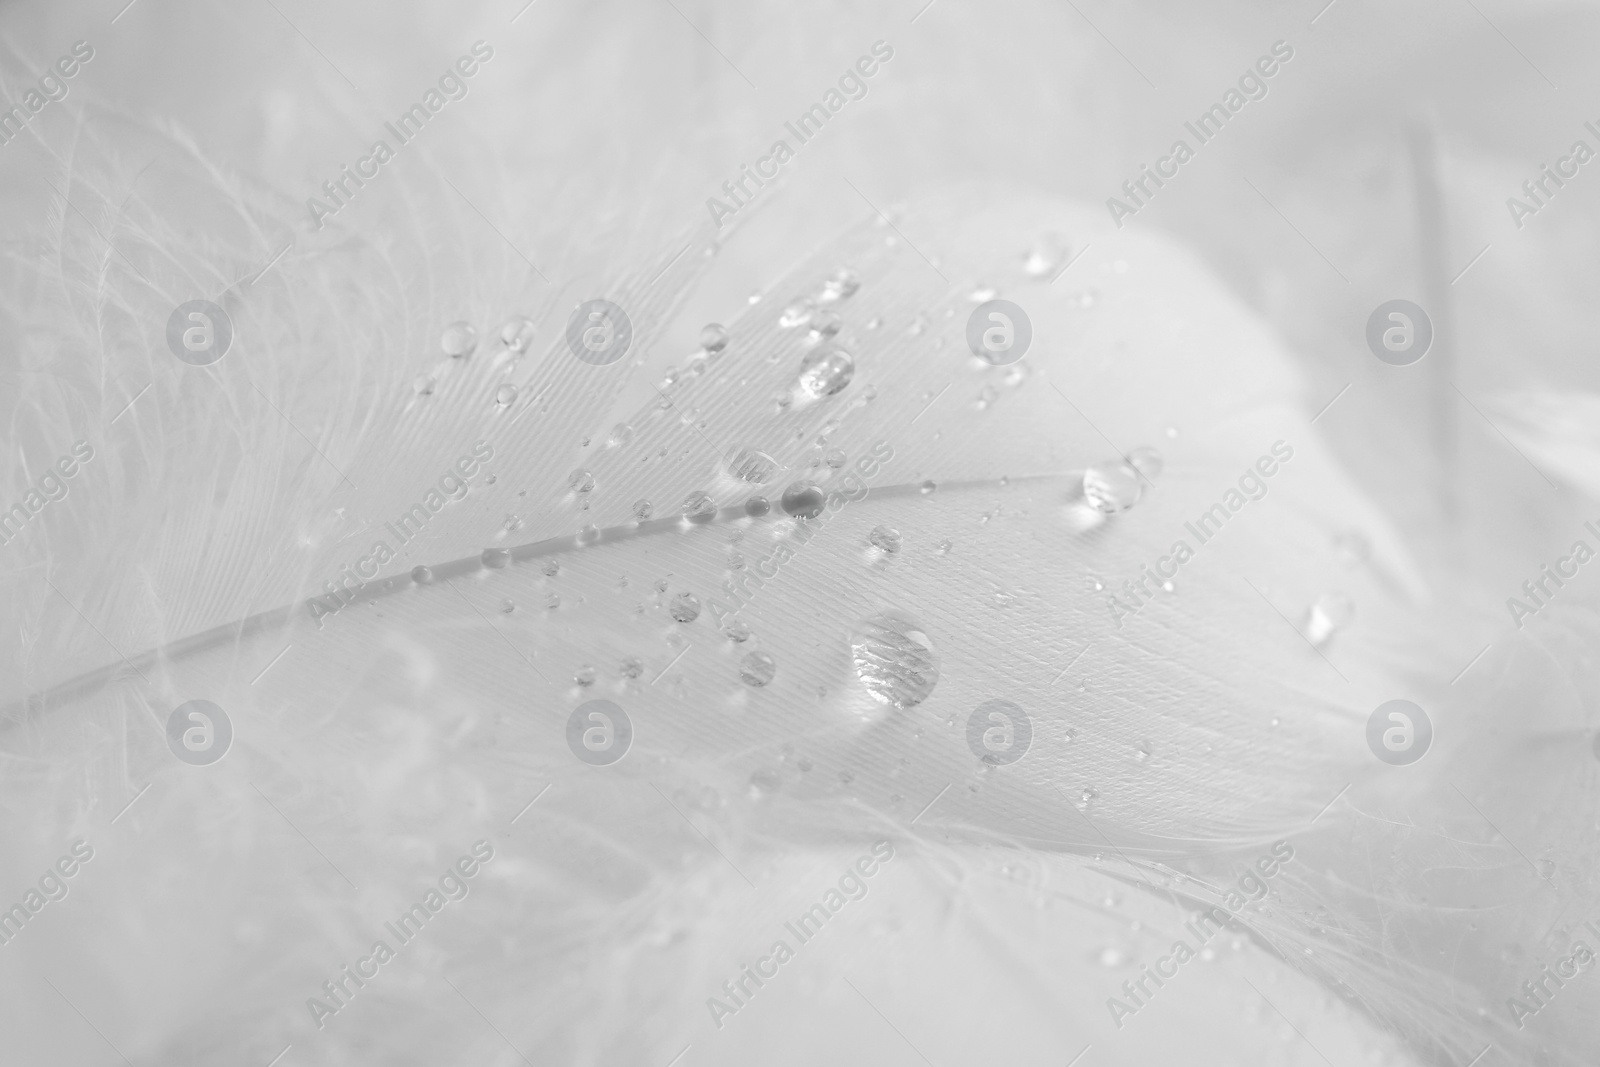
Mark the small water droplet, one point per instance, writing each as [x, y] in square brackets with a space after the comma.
[1111, 487]
[423, 385]
[826, 371]
[927, 487]
[756, 669]
[1147, 461]
[918, 325]
[986, 396]
[796, 314]
[1002, 600]
[737, 631]
[1168, 586]
[982, 293]
[736, 561]
[894, 659]
[1172, 432]
[1086, 798]
[804, 500]
[1141, 751]
[621, 434]
[1112, 956]
[507, 606]
[757, 506]
[643, 509]
[422, 575]
[944, 548]
[699, 508]
[713, 337]
[458, 340]
[505, 395]
[517, 333]
[835, 458]
[885, 539]
[753, 466]
[584, 675]
[496, 557]
[1547, 869]
[824, 324]
[1330, 613]
[685, 607]
[580, 481]
[552, 601]
[1046, 256]
[841, 286]
[589, 535]
[1094, 584]
[631, 667]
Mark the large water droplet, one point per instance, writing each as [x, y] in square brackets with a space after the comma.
[422, 575]
[505, 395]
[580, 481]
[885, 539]
[643, 509]
[757, 506]
[621, 434]
[804, 500]
[1111, 487]
[685, 607]
[894, 659]
[458, 340]
[1330, 612]
[826, 371]
[752, 466]
[699, 508]
[757, 669]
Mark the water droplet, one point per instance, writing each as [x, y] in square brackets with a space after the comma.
[621, 434]
[986, 396]
[423, 385]
[736, 561]
[1094, 584]
[835, 458]
[982, 293]
[643, 509]
[841, 286]
[580, 481]
[796, 314]
[918, 325]
[1547, 869]
[552, 601]
[804, 500]
[1147, 461]
[737, 631]
[1111, 487]
[589, 535]
[505, 395]
[757, 669]
[826, 371]
[824, 324]
[757, 506]
[1141, 751]
[632, 667]
[1329, 613]
[699, 508]
[927, 487]
[584, 675]
[713, 337]
[496, 557]
[885, 539]
[894, 659]
[750, 465]
[1168, 586]
[685, 607]
[875, 322]
[458, 340]
[517, 333]
[1085, 798]
[1112, 956]
[1003, 600]
[422, 575]
[507, 606]
[944, 548]
[1046, 256]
